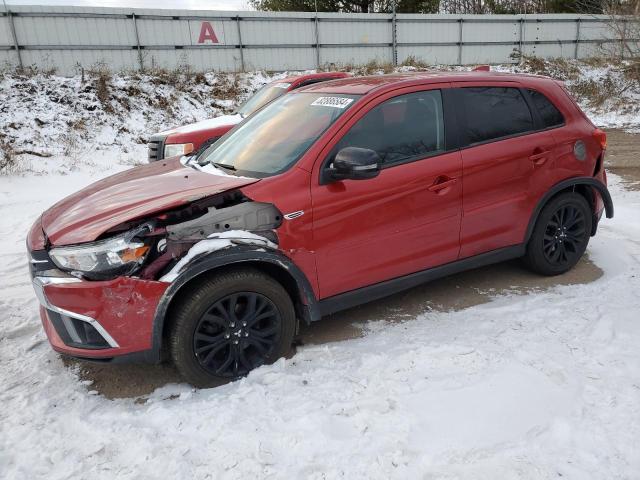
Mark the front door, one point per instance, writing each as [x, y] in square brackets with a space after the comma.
[405, 220]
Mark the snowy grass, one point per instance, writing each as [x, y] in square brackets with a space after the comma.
[56, 124]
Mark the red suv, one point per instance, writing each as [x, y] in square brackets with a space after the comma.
[191, 138]
[333, 195]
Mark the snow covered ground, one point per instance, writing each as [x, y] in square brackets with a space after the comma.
[541, 385]
[529, 386]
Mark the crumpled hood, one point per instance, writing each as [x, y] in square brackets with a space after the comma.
[130, 195]
[226, 121]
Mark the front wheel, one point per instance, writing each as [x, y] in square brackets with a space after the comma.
[230, 324]
[560, 236]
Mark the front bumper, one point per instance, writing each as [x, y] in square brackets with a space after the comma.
[98, 319]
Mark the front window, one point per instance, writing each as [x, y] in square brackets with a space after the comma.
[401, 129]
[269, 92]
[275, 138]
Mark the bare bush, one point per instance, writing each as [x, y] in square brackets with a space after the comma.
[102, 79]
[413, 61]
[558, 68]
[7, 155]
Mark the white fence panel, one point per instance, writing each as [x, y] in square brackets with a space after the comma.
[69, 38]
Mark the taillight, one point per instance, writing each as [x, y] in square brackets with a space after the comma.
[600, 137]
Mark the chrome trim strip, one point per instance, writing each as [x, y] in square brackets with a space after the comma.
[358, 168]
[292, 215]
[39, 284]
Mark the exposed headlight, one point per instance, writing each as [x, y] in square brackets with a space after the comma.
[119, 255]
[177, 149]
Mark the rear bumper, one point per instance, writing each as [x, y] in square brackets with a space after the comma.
[98, 320]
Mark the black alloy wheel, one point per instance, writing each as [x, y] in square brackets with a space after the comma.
[226, 324]
[236, 334]
[565, 235]
[560, 235]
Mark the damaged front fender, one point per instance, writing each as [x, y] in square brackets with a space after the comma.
[237, 255]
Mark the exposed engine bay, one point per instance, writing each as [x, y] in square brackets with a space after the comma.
[169, 236]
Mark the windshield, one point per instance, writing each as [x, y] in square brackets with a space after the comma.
[263, 96]
[273, 139]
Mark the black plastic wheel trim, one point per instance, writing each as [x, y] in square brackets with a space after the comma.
[236, 334]
[564, 235]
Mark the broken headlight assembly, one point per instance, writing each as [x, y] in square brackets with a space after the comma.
[115, 256]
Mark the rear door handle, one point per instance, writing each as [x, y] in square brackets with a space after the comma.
[441, 183]
[540, 157]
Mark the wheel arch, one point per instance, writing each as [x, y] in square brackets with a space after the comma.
[584, 186]
[270, 262]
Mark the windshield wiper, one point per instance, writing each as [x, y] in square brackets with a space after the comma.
[224, 165]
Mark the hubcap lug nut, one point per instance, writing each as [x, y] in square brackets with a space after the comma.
[227, 336]
[235, 342]
[232, 324]
[244, 324]
[246, 334]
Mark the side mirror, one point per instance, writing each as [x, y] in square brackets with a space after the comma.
[353, 163]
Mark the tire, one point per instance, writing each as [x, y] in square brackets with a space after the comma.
[229, 324]
[560, 236]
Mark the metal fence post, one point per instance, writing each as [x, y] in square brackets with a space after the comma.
[521, 39]
[135, 29]
[394, 36]
[14, 36]
[575, 53]
[460, 21]
[317, 39]
[240, 43]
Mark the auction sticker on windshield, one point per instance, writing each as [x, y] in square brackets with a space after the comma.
[336, 102]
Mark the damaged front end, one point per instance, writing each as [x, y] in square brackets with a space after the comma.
[161, 247]
[106, 299]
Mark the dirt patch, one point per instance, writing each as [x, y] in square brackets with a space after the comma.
[623, 157]
[450, 293]
[623, 150]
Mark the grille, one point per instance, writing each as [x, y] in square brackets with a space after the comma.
[156, 148]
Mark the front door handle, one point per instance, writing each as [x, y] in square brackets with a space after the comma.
[441, 183]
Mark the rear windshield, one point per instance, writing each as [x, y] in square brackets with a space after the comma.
[263, 96]
[274, 138]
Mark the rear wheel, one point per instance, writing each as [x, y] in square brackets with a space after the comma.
[560, 236]
[230, 324]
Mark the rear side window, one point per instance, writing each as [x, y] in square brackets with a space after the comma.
[494, 112]
[401, 129]
[551, 116]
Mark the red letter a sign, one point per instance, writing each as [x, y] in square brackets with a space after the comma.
[207, 33]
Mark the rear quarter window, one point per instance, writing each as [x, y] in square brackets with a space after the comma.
[550, 115]
[494, 112]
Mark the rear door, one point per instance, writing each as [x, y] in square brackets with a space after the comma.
[504, 155]
[405, 220]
